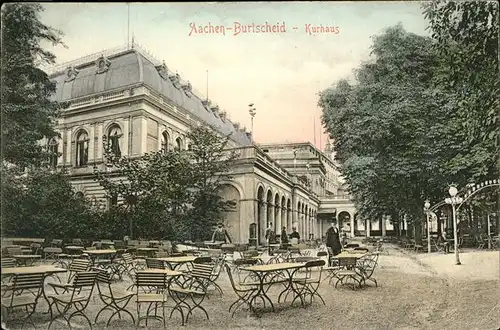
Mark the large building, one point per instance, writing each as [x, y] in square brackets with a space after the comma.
[132, 101]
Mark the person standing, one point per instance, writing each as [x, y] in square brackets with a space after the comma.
[220, 234]
[333, 239]
[270, 237]
[284, 236]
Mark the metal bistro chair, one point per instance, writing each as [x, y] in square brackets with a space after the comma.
[115, 300]
[154, 287]
[155, 263]
[84, 282]
[19, 299]
[77, 266]
[310, 285]
[207, 272]
[367, 265]
[348, 270]
[244, 293]
[56, 255]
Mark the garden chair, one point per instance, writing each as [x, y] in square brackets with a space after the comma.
[115, 300]
[155, 263]
[6, 279]
[244, 293]
[76, 267]
[14, 295]
[481, 242]
[14, 251]
[332, 260]
[192, 289]
[367, 268]
[241, 263]
[56, 243]
[347, 270]
[35, 248]
[77, 242]
[206, 272]
[309, 285]
[154, 292]
[77, 296]
[56, 255]
[161, 254]
[8, 262]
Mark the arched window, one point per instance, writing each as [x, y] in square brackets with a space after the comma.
[54, 153]
[178, 142]
[115, 139]
[164, 141]
[82, 148]
[79, 195]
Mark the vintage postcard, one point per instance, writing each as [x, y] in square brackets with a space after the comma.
[256, 165]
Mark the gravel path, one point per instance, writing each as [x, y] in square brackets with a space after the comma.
[415, 291]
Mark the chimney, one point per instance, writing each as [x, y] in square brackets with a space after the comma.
[206, 104]
[187, 87]
[215, 109]
[175, 79]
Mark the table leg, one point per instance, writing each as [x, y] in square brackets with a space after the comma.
[261, 293]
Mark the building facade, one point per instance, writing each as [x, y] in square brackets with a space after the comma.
[136, 105]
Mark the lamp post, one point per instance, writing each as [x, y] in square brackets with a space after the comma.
[252, 111]
[427, 206]
[454, 200]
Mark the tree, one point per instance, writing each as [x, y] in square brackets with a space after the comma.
[173, 194]
[466, 38]
[211, 162]
[389, 128]
[27, 112]
[44, 204]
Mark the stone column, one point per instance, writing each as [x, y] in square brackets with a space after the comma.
[68, 147]
[144, 135]
[60, 149]
[125, 136]
[100, 133]
[160, 137]
[277, 219]
[368, 227]
[289, 219]
[262, 222]
[270, 215]
[315, 224]
[283, 217]
[91, 144]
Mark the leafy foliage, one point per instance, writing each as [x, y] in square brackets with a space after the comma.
[44, 204]
[467, 39]
[173, 194]
[399, 130]
[27, 112]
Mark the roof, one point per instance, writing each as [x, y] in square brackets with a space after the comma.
[130, 67]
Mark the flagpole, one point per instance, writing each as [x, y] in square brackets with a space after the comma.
[128, 25]
[314, 121]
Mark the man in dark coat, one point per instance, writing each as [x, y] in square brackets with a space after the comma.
[284, 236]
[333, 239]
[220, 234]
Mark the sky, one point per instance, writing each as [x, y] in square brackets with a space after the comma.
[280, 72]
